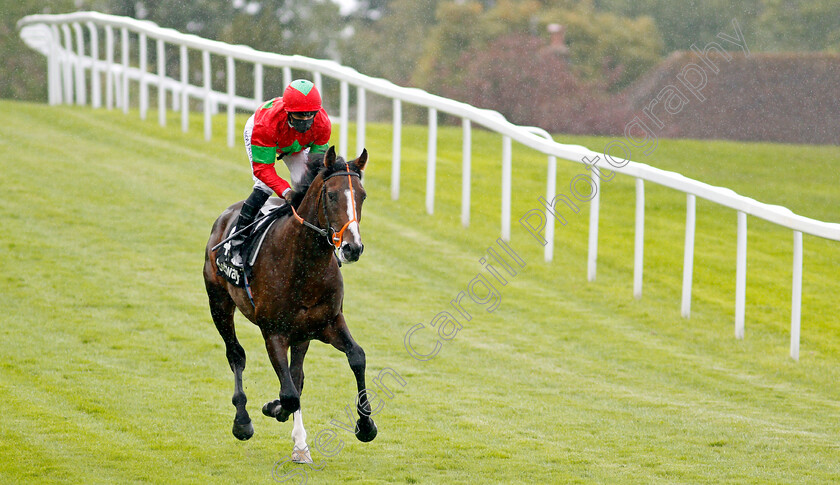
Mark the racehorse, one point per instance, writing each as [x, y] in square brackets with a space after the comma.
[297, 292]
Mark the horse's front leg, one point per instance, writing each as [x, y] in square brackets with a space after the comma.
[338, 335]
[289, 402]
[300, 452]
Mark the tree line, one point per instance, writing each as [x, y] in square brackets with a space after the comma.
[529, 59]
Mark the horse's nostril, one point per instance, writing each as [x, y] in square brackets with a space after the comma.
[353, 251]
[361, 249]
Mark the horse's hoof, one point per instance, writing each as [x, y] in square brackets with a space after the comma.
[243, 431]
[283, 415]
[366, 433]
[271, 408]
[290, 403]
[301, 456]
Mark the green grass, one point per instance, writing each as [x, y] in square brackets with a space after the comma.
[112, 371]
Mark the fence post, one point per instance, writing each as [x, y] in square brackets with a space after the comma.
[796, 300]
[319, 83]
[550, 193]
[361, 109]
[161, 71]
[231, 107]
[175, 95]
[67, 70]
[287, 76]
[466, 171]
[95, 77]
[343, 117]
[144, 84]
[110, 79]
[81, 89]
[431, 162]
[639, 240]
[54, 68]
[594, 216]
[688, 257]
[185, 83]
[506, 186]
[258, 85]
[741, 275]
[205, 66]
[396, 150]
[124, 49]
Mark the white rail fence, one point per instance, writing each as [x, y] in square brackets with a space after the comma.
[77, 66]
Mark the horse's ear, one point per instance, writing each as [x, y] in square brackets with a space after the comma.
[329, 157]
[362, 160]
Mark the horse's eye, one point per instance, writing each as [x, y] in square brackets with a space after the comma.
[333, 196]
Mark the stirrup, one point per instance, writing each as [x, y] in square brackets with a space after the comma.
[236, 259]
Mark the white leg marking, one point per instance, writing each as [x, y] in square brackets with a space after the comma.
[298, 432]
[300, 452]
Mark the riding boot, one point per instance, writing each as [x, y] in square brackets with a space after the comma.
[249, 211]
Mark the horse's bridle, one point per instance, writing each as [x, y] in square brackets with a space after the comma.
[332, 236]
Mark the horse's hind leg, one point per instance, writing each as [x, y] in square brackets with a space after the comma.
[222, 308]
[338, 336]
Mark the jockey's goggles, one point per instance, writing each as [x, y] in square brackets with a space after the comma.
[303, 115]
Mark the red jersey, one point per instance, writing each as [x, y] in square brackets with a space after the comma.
[272, 132]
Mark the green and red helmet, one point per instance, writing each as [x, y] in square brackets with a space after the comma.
[301, 96]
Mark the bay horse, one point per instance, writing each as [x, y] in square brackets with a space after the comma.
[297, 291]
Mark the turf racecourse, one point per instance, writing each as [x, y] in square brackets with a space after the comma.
[112, 371]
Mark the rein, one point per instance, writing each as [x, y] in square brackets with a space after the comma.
[332, 236]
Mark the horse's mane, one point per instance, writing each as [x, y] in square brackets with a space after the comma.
[314, 167]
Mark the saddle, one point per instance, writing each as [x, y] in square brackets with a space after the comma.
[239, 277]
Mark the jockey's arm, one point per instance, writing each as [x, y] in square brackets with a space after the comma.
[264, 170]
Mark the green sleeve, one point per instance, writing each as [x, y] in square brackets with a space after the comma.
[263, 154]
[319, 148]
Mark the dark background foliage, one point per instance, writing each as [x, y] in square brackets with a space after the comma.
[501, 54]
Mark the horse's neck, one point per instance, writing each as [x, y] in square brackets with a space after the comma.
[308, 208]
[311, 246]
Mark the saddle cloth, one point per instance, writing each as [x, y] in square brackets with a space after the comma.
[269, 214]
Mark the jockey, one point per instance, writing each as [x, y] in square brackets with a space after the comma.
[290, 128]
